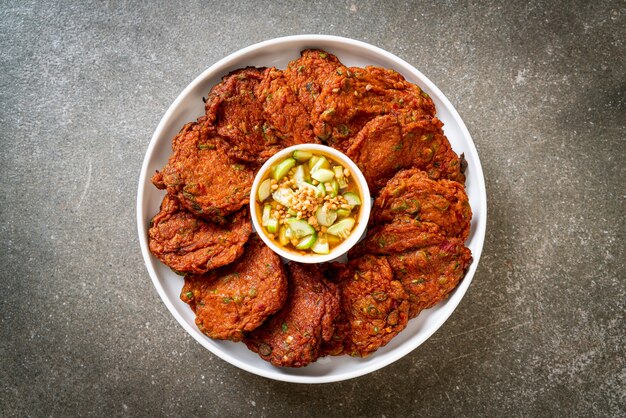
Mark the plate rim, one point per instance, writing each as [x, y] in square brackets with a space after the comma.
[400, 351]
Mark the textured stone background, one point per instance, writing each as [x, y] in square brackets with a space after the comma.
[541, 87]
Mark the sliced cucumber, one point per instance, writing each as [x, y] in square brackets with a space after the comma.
[334, 185]
[300, 228]
[272, 226]
[283, 196]
[265, 189]
[322, 175]
[289, 234]
[321, 246]
[352, 198]
[321, 190]
[292, 212]
[313, 161]
[283, 168]
[302, 156]
[342, 213]
[266, 215]
[342, 228]
[282, 236]
[322, 162]
[302, 174]
[307, 242]
[341, 179]
[325, 217]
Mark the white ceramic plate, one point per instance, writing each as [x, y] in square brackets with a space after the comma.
[188, 106]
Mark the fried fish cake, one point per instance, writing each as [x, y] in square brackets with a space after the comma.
[430, 273]
[374, 307]
[307, 75]
[400, 140]
[239, 297]
[411, 194]
[235, 110]
[202, 176]
[286, 120]
[292, 337]
[188, 244]
[398, 236]
[428, 148]
[351, 97]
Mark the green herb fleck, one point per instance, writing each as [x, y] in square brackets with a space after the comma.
[379, 296]
[264, 349]
[372, 310]
[328, 112]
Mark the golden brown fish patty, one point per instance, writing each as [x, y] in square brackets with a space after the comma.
[235, 110]
[395, 141]
[202, 176]
[286, 120]
[307, 75]
[411, 194]
[398, 236]
[374, 307]
[430, 273]
[292, 337]
[239, 297]
[351, 97]
[188, 244]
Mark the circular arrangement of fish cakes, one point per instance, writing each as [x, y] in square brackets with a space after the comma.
[188, 244]
[203, 177]
[412, 257]
[292, 337]
[239, 297]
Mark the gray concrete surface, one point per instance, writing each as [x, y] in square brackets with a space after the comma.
[541, 86]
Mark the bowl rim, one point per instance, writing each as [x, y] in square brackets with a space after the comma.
[399, 65]
[364, 212]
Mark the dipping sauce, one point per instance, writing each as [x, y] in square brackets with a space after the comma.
[309, 203]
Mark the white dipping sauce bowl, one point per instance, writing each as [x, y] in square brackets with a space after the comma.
[364, 210]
